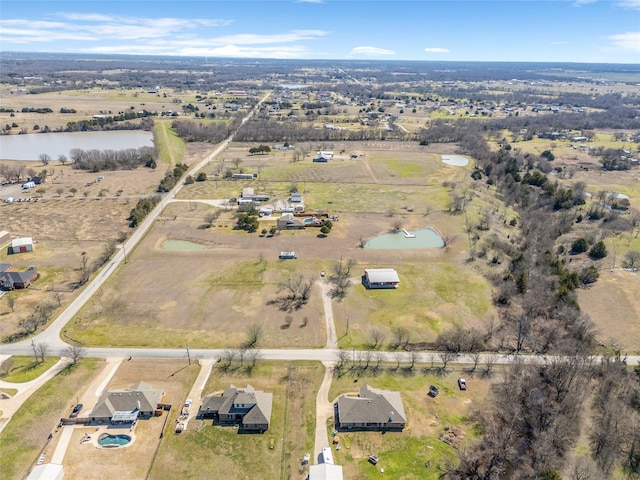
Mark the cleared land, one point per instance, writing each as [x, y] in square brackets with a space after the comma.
[210, 297]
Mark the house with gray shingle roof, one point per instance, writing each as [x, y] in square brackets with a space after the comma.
[246, 407]
[126, 406]
[372, 409]
[11, 280]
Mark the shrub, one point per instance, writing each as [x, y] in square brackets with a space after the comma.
[598, 251]
[579, 245]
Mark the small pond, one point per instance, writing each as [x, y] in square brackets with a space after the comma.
[107, 440]
[455, 160]
[181, 246]
[416, 239]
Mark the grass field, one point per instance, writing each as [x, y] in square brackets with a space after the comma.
[205, 451]
[170, 146]
[416, 452]
[24, 437]
[25, 369]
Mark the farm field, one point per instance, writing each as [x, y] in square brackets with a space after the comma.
[210, 297]
[204, 451]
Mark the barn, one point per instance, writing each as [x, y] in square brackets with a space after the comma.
[381, 278]
[21, 245]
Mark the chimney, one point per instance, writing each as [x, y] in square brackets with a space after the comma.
[391, 416]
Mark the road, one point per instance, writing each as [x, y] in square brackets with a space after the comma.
[51, 335]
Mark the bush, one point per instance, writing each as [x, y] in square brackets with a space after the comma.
[598, 251]
[189, 180]
[579, 246]
[201, 177]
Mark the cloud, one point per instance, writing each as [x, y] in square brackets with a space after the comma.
[437, 50]
[634, 4]
[254, 39]
[580, 3]
[627, 41]
[371, 51]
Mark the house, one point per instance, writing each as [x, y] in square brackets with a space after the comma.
[372, 409]
[325, 471]
[295, 197]
[17, 280]
[288, 222]
[244, 176]
[126, 406]
[248, 193]
[5, 237]
[381, 278]
[321, 158]
[4, 267]
[20, 245]
[246, 407]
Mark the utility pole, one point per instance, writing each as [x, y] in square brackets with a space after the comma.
[35, 353]
[188, 355]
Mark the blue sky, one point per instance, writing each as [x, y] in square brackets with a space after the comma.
[452, 30]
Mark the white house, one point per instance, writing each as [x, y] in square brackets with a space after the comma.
[381, 278]
[21, 245]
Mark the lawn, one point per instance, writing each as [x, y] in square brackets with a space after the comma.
[170, 146]
[25, 369]
[26, 435]
[416, 452]
[205, 451]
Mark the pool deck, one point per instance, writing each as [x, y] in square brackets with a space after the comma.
[94, 435]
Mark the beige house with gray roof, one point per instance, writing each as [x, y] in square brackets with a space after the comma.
[126, 406]
[246, 407]
[372, 409]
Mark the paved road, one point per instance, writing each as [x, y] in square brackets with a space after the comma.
[52, 334]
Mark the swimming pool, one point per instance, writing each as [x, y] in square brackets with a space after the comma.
[424, 238]
[108, 440]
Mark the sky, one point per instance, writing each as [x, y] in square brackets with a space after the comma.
[592, 31]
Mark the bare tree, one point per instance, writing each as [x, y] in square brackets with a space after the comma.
[489, 362]
[445, 358]
[340, 278]
[41, 349]
[376, 337]
[475, 357]
[252, 357]
[227, 358]
[365, 358]
[254, 333]
[413, 358]
[11, 302]
[631, 260]
[211, 217]
[45, 158]
[402, 338]
[399, 357]
[74, 352]
[343, 356]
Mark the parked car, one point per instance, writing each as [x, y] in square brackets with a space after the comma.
[433, 391]
[462, 383]
[76, 410]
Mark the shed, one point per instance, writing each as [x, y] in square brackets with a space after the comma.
[381, 278]
[5, 237]
[47, 471]
[21, 245]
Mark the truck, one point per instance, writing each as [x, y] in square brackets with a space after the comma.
[186, 407]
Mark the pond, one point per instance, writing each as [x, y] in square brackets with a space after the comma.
[455, 160]
[107, 440]
[181, 246]
[416, 239]
[30, 146]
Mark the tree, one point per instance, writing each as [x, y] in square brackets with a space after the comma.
[211, 217]
[202, 176]
[41, 350]
[579, 245]
[325, 230]
[63, 159]
[59, 191]
[74, 352]
[631, 260]
[253, 335]
[45, 158]
[11, 302]
[376, 337]
[598, 251]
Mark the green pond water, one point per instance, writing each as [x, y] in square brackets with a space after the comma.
[181, 246]
[424, 238]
